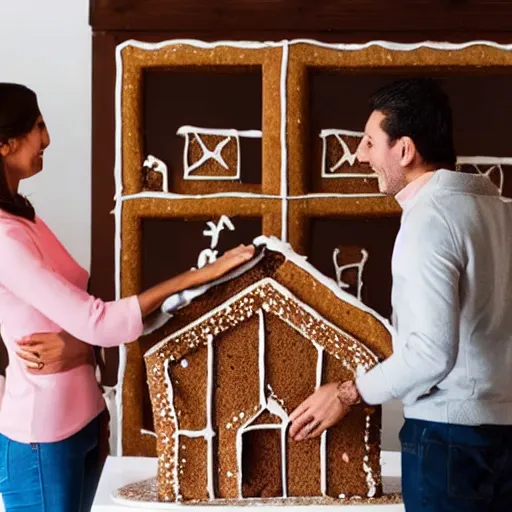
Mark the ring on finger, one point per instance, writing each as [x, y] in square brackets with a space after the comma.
[312, 425]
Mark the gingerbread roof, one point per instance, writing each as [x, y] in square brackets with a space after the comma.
[284, 284]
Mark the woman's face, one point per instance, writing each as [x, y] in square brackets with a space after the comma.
[24, 156]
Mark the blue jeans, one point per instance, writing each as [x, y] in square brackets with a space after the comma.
[51, 477]
[456, 468]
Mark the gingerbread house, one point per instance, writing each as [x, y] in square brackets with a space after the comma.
[217, 143]
[223, 386]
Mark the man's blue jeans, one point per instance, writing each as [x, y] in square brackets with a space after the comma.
[51, 477]
[455, 468]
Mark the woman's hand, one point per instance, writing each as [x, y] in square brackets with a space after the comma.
[228, 261]
[52, 352]
[324, 408]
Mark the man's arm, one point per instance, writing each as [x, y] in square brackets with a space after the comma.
[430, 299]
[431, 289]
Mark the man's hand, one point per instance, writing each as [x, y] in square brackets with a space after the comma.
[324, 408]
[46, 353]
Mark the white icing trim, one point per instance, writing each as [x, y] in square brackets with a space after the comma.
[261, 358]
[160, 195]
[283, 98]
[337, 195]
[118, 187]
[326, 132]
[157, 165]
[344, 296]
[174, 418]
[258, 45]
[363, 176]
[263, 426]
[484, 160]
[323, 463]
[389, 45]
[209, 418]
[221, 132]
[370, 481]
[359, 266]
[145, 432]
[323, 437]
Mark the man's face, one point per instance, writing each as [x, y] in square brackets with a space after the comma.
[383, 157]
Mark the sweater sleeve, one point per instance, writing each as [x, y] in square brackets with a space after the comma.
[429, 296]
[24, 273]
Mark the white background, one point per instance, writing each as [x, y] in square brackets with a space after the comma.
[46, 45]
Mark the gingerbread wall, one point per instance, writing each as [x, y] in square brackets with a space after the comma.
[287, 194]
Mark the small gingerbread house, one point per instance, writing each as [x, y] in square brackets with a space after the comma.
[222, 387]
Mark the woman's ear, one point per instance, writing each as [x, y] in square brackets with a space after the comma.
[9, 147]
[407, 151]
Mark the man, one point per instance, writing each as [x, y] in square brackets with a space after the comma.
[452, 302]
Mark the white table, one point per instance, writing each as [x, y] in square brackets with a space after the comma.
[121, 471]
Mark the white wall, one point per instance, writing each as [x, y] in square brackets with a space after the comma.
[46, 45]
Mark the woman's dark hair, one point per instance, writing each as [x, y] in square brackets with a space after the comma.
[418, 108]
[18, 114]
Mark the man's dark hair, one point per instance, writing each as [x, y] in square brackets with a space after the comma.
[418, 108]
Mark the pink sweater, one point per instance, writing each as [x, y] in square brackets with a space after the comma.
[42, 289]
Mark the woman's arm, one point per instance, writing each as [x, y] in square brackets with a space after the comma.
[54, 352]
[24, 273]
[153, 298]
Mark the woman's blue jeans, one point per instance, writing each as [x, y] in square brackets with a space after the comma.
[51, 477]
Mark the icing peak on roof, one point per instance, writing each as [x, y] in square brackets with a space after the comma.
[284, 248]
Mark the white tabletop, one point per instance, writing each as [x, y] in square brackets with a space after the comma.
[121, 471]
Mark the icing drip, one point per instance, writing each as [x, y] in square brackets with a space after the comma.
[158, 166]
[339, 269]
[372, 489]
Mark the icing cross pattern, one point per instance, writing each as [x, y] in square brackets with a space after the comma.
[346, 156]
[215, 154]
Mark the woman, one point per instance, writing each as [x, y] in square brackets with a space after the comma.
[49, 423]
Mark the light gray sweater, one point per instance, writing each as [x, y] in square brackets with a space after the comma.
[452, 306]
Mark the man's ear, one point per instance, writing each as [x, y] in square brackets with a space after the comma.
[407, 151]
